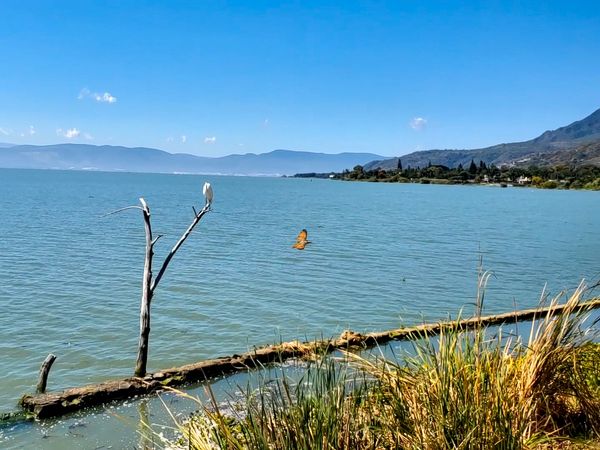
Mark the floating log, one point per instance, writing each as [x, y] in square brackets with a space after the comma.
[60, 403]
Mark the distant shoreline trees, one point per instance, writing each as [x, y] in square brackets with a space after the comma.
[547, 177]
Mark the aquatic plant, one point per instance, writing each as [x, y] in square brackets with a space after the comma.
[461, 389]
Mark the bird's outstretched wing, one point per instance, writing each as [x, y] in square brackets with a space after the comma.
[302, 236]
[301, 240]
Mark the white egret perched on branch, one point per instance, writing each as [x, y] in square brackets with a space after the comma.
[150, 282]
[208, 193]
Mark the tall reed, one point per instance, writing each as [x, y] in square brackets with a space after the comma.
[478, 389]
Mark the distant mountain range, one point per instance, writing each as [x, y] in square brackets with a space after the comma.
[574, 144]
[141, 159]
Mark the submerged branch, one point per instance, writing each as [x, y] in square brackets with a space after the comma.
[44, 371]
[120, 210]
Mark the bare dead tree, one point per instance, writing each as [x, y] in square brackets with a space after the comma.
[149, 284]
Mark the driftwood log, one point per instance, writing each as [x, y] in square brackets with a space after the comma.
[56, 404]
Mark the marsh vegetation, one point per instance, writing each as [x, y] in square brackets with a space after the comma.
[482, 388]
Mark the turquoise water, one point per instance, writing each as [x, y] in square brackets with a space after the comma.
[383, 255]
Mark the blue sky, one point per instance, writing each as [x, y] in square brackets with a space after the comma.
[219, 77]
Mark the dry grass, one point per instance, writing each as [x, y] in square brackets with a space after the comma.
[459, 390]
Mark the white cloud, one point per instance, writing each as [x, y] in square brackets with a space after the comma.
[88, 136]
[418, 123]
[106, 97]
[170, 139]
[71, 133]
[183, 139]
[7, 132]
[85, 92]
[210, 139]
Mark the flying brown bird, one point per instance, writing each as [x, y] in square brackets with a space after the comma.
[301, 240]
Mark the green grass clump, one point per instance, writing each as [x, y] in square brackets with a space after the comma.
[473, 389]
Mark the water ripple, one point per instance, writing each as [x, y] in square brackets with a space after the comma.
[382, 255]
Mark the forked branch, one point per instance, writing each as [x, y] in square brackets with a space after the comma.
[181, 240]
[149, 283]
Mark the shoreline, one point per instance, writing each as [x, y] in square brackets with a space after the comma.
[59, 403]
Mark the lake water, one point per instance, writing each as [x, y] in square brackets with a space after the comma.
[382, 256]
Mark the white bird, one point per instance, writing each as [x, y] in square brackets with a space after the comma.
[208, 193]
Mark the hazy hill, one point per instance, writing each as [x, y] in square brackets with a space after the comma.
[141, 159]
[544, 150]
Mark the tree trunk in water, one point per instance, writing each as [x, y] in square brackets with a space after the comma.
[142, 358]
[149, 285]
